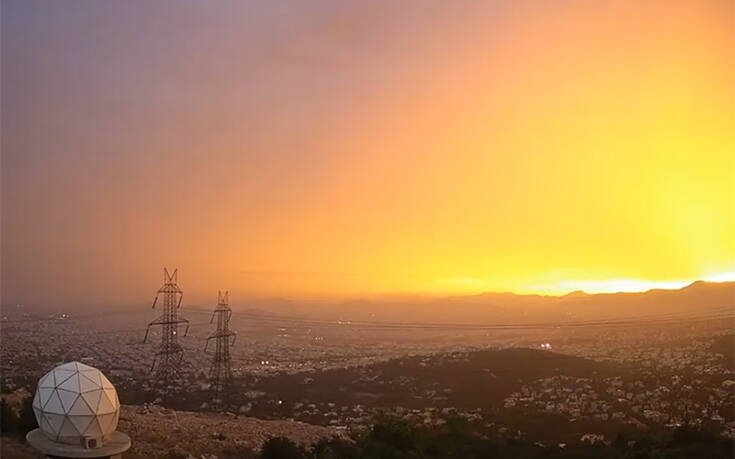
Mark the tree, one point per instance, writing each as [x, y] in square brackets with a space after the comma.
[8, 418]
[282, 448]
[27, 419]
[621, 441]
[688, 435]
[395, 433]
[335, 448]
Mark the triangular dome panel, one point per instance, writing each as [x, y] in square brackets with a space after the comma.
[106, 405]
[80, 407]
[92, 398]
[107, 423]
[81, 422]
[53, 405]
[93, 376]
[86, 384]
[67, 398]
[45, 426]
[112, 395]
[71, 383]
[38, 413]
[68, 429]
[105, 383]
[55, 421]
[62, 375]
[84, 367]
[43, 395]
[70, 366]
[47, 380]
[93, 429]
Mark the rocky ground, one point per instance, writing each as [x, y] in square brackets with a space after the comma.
[13, 448]
[162, 433]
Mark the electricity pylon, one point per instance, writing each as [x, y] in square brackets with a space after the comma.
[167, 362]
[220, 373]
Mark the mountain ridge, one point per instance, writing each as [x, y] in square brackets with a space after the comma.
[698, 297]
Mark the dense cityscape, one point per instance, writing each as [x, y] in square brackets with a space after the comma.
[595, 384]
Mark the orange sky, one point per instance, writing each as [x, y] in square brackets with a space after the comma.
[344, 150]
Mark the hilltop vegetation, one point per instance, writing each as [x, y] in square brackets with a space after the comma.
[394, 439]
[479, 379]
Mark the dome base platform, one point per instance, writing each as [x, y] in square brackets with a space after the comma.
[117, 444]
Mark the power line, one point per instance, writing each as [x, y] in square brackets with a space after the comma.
[326, 321]
[98, 332]
[458, 326]
[71, 317]
[377, 326]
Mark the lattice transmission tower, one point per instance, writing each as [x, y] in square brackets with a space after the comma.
[170, 355]
[220, 373]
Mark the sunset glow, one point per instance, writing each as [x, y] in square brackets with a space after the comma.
[571, 145]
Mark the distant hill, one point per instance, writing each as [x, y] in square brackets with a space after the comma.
[696, 298]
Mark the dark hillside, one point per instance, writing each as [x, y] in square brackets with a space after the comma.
[725, 345]
[479, 379]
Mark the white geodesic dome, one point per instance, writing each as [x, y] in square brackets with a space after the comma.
[76, 404]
